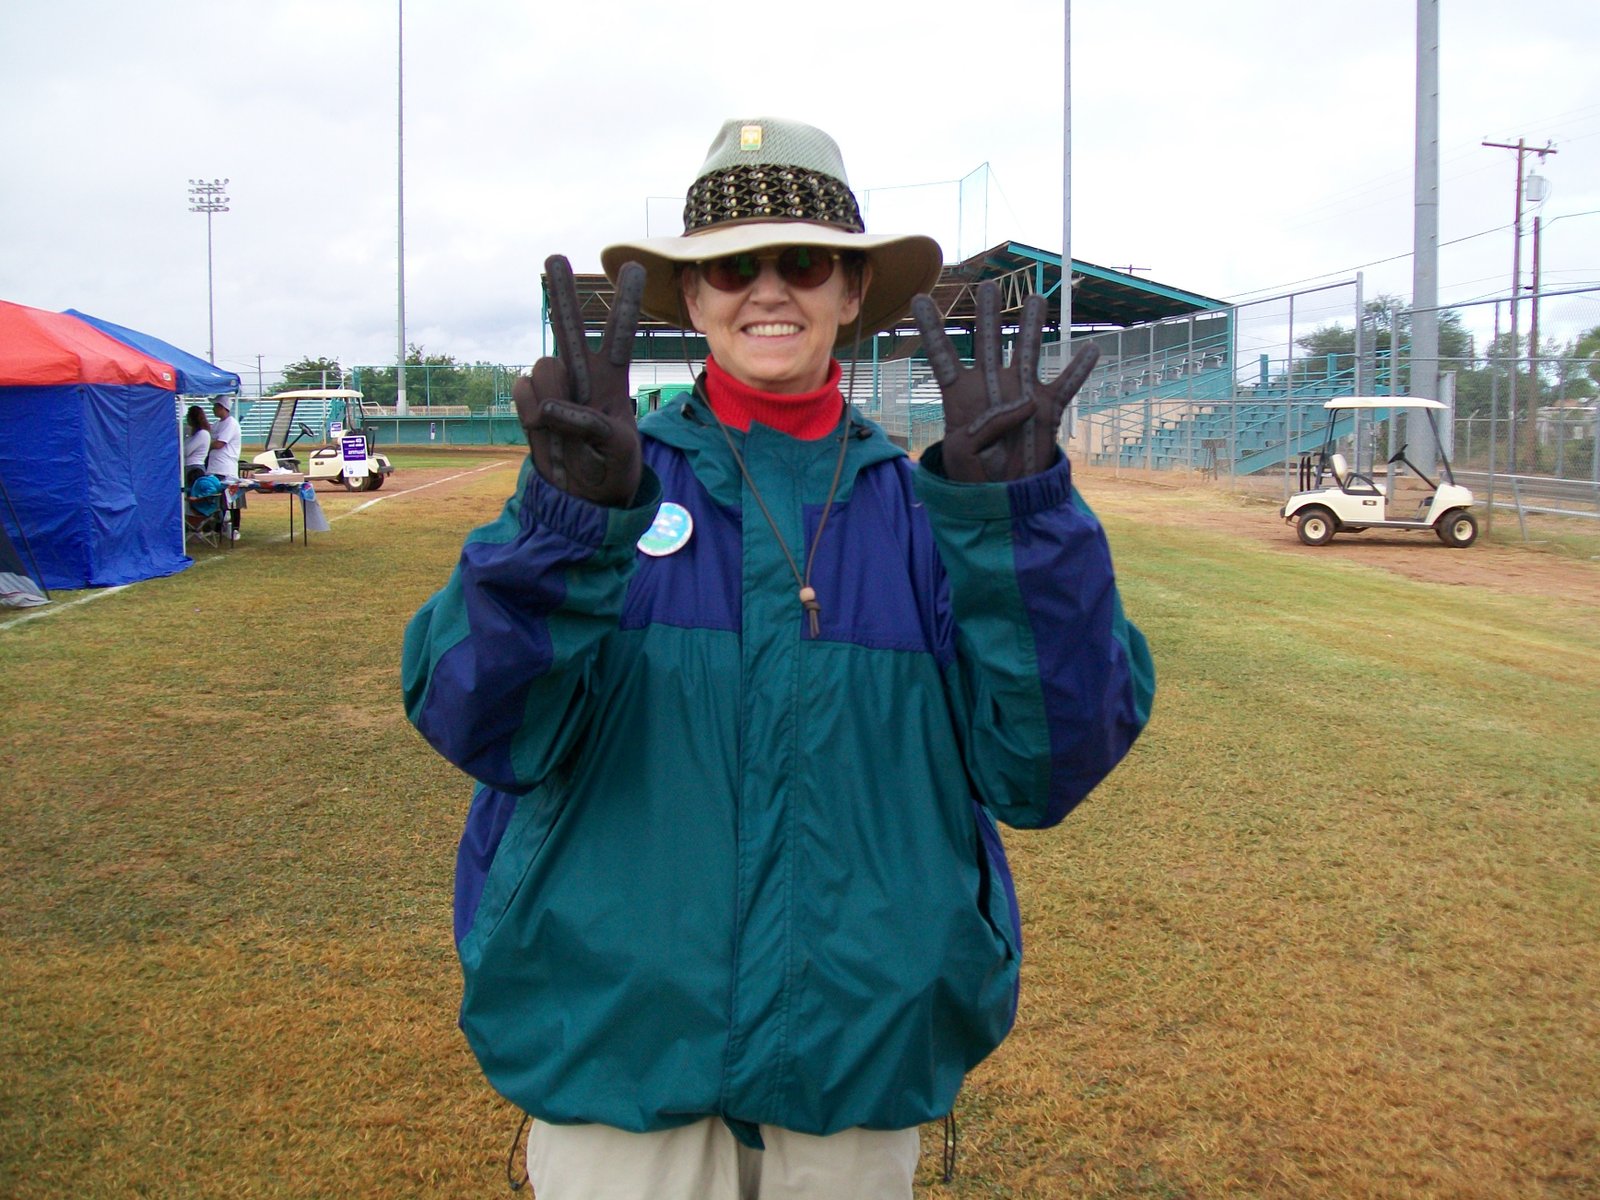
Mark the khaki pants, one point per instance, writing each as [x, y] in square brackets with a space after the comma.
[703, 1161]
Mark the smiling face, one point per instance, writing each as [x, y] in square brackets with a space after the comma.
[772, 335]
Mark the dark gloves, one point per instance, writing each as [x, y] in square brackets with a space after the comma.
[999, 422]
[576, 409]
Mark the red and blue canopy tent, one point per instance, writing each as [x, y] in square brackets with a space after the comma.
[89, 457]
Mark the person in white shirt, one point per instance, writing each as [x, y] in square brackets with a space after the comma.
[223, 459]
[196, 444]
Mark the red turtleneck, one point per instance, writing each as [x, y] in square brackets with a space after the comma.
[804, 415]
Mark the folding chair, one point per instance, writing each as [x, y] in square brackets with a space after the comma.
[205, 516]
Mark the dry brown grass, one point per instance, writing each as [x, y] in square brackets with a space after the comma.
[1332, 931]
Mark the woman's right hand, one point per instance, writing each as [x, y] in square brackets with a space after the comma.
[576, 409]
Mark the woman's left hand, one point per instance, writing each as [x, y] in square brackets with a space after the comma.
[1000, 423]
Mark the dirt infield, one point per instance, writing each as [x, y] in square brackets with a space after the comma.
[1507, 567]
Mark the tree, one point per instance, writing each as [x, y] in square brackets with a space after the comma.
[437, 379]
[1584, 356]
[1330, 349]
[309, 373]
[440, 380]
[1561, 375]
[1484, 384]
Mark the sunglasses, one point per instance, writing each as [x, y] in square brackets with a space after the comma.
[798, 266]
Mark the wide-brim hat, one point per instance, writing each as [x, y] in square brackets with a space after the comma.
[223, 402]
[769, 182]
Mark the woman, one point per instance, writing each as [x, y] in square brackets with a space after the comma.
[744, 690]
[196, 445]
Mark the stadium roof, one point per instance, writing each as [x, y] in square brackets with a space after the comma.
[1100, 295]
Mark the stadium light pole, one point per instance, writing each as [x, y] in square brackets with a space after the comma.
[401, 408]
[1066, 177]
[1066, 208]
[1424, 246]
[208, 198]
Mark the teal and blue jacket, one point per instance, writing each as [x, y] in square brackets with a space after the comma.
[717, 867]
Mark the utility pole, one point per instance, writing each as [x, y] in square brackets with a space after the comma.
[1533, 321]
[1523, 150]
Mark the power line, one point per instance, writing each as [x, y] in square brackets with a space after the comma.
[1400, 177]
[1407, 254]
[1363, 266]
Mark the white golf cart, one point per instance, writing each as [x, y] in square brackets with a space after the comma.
[350, 460]
[1335, 499]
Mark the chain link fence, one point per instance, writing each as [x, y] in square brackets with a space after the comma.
[1246, 401]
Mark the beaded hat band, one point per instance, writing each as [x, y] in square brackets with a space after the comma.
[743, 193]
[769, 182]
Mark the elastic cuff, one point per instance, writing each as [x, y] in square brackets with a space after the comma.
[1048, 489]
[586, 522]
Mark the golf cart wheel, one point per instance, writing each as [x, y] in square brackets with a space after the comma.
[1316, 526]
[352, 484]
[374, 482]
[1457, 528]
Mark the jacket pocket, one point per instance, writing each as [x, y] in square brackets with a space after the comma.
[997, 896]
[514, 856]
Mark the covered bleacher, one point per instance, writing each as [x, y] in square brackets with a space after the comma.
[896, 387]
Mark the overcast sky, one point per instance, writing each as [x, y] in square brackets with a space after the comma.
[1233, 148]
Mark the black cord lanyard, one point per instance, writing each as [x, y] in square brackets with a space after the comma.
[807, 593]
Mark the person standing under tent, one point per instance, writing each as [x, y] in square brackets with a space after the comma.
[223, 460]
[196, 444]
[745, 690]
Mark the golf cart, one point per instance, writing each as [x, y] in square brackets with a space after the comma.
[1335, 499]
[349, 460]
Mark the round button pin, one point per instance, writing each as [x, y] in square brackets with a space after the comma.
[669, 533]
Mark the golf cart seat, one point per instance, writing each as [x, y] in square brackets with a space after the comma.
[1349, 480]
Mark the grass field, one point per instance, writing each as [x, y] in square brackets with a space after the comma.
[1332, 931]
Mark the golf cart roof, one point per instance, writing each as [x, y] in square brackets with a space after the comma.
[1381, 402]
[317, 394]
